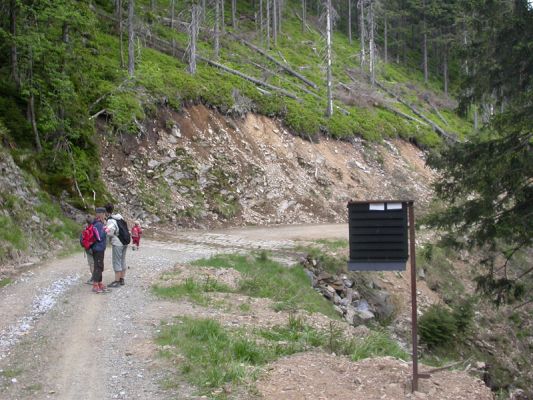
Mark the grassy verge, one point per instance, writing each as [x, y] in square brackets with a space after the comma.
[213, 357]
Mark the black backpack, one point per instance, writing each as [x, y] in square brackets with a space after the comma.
[123, 231]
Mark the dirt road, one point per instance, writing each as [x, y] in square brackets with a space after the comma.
[60, 341]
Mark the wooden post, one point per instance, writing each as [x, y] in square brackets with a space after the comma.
[414, 315]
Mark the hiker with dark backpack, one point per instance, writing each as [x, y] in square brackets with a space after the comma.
[98, 251]
[120, 238]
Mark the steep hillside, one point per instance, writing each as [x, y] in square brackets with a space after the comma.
[201, 168]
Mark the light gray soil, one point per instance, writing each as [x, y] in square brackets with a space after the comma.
[60, 341]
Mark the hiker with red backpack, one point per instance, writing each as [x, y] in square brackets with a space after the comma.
[93, 240]
[88, 237]
[120, 238]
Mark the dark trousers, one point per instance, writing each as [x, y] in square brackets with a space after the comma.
[98, 266]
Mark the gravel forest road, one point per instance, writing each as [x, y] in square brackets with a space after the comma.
[60, 341]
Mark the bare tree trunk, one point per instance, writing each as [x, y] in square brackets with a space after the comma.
[61, 105]
[372, 45]
[13, 31]
[222, 14]
[275, 22]
[350, 20]
[172, 13]
[261, 22]
[386, 40]
[152, 5]
[329, 111]
[217, 29]
[31, 105]
[280, 14]
[118, 12]
[362, 30]
[445, 69]
[233, 14]
[425, 44]
[303, 15]
[204, 10]
[193, 36]
[131, 39]
[476, 118]
[268, 23]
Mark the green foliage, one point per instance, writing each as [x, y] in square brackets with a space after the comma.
[441, 327]
[437, 326]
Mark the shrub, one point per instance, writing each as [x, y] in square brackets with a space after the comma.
[437, 326]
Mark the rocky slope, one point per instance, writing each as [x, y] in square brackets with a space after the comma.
[32, 225]
[200, 168]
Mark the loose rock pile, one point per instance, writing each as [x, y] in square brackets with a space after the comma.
[342, 291]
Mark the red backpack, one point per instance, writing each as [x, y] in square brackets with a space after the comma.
[88, 238]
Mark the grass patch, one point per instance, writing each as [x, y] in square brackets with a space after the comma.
[212, 356]
[329, 262]
[11, 372]
[6, 281]
[263, 277]
[334, 244]
[378, 344]
[192, 289]
[12, 234]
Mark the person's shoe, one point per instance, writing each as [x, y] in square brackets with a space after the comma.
[114, 284]
[122, 283]
[104, 288]
[97, 289]
[90, 281]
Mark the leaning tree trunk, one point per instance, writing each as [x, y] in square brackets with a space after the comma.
[193, 36]
[362, 31]
[371, 44]
[131, 39]
[329, 111]
[217, 29]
